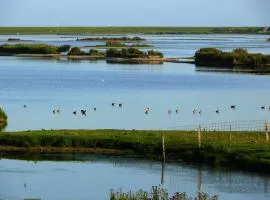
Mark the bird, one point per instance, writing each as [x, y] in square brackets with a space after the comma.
[194, 111]
[74, 112]
[120, 105]
[177, 111]
[146, 110]
[83, 112]
[169, 111]
[262, 107]
[113, 104]
[95, 109]
[217, 111]
[53, 111]
[58, 110]
[233, 106]
[200, 112]
[24, 106]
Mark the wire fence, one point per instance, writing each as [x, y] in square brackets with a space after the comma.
[253, 125]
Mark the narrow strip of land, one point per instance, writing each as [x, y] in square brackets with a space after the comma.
[131, 30]
[244, 150]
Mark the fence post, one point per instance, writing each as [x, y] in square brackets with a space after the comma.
[266, 131]
[199, 137]
[163, 147]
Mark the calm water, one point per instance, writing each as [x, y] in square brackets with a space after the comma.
[93, 179]
[44, 85]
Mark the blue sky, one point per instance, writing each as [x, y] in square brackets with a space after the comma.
[134, 13]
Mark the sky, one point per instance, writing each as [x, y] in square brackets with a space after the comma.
[134, 13]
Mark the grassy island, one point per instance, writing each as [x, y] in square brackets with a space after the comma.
[243, 150]
[116, 39]
[32, 49]
[132, 53]
[237, 59]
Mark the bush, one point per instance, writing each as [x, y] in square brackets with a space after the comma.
[64, 48]
[3, 115]
[94, 52]
[76, 51]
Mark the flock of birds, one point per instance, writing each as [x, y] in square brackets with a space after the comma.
[147, 110]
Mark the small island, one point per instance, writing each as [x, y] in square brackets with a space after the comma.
[116, 44]
[123, 39]
[237, 59]
[123, 55]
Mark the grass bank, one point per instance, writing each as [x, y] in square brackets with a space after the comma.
[244, 150]
[130, 30]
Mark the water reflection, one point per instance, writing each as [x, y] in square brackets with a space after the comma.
[116, 172]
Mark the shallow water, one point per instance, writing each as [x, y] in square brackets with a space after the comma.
[95, 176]
[171, 45]
[44, 85]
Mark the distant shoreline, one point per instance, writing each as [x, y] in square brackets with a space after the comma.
[129, 30]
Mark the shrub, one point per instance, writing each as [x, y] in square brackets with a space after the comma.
[94, 52]
[76, 51]
[64, 48]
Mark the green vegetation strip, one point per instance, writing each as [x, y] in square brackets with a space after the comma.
[156, 193]
[244, 150]
[127, 30]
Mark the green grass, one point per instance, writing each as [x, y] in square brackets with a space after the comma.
[127, 30]
[245, 150]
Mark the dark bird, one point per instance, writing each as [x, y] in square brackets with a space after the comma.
[95, 109]
[83, 112]
[147, 110]
[74, 112]
[58, 110]
[262, 107]
[53, 111]
[200, 112]
[169, 111]
[120, 105]
[177, 111]
[233, 106]
[24, 106]
[113, 104]
[217, 111]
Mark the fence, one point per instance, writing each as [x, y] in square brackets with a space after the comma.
[254, 126]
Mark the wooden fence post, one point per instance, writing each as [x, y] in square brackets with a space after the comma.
[199, 137]
[266, 131]
[163, 147]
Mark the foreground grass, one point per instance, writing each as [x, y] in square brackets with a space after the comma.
[157, 193]
[127, 30]
[245, 150]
